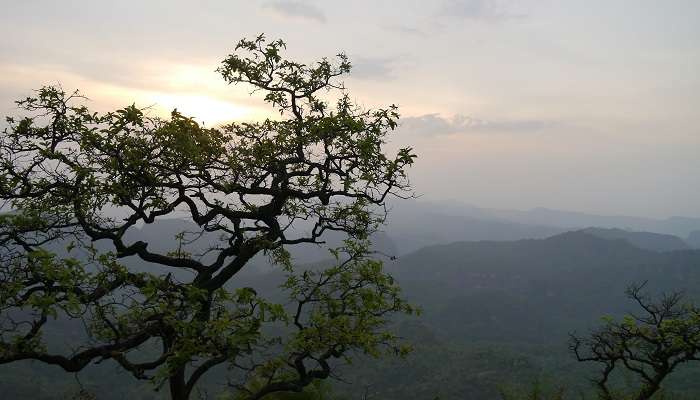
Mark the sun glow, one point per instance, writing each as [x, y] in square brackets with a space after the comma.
[204, 109]
[199, 92]
[195, 91]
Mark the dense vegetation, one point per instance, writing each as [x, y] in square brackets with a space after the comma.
[496, 318]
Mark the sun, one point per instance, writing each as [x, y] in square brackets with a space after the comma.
[196, 91]
[205, 109]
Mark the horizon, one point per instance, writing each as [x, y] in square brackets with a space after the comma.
[458, 203]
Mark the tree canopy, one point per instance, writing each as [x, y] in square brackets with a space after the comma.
[76, 183]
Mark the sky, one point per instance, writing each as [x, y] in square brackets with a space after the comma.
[579, 105]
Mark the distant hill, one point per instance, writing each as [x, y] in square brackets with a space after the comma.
[643, 240]
[412, 229]
[694, 239]
[544, 217]
[412, 225]
[536, 289]
[679, 226]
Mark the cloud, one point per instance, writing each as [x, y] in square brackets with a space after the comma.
[450, 10]
[484, 10]
[297, 9]
[369, 68]
[435, 125]
[408, 30]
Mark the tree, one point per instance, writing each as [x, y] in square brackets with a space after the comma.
[650, 346]
[83, 181]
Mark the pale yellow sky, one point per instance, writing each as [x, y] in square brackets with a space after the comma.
[581, 105]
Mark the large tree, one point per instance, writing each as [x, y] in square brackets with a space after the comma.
[76, 184]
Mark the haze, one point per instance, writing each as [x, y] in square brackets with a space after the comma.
[588, 105]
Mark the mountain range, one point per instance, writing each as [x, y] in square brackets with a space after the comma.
[499, 298]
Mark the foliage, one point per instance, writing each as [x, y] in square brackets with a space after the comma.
[76, 184]
[649, 347]
[537, 390]
[318, 390]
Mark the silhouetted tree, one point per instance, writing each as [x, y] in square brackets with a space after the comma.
[75, 179]
[649, 346]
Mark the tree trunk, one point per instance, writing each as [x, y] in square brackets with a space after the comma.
[650, 388]
[178, 387]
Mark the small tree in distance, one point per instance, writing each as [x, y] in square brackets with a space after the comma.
[649, 346]
[71, 178]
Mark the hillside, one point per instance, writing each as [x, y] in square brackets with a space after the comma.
[495, 312]
[570, 279]
[643, 240]
[498, 312]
